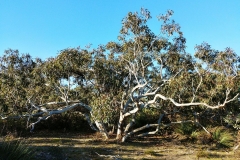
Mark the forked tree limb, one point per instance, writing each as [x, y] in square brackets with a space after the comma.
[49, 113]
[157, 128]
[193, 103]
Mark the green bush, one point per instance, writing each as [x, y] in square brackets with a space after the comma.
[70, 121]
[187, 129]
[15, 150]
[17, 126]
[223, 137]
[147, 116]
[194, 135]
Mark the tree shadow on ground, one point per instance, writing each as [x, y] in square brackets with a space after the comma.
[75, 147]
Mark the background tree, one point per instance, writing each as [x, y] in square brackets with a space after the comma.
[18, 82]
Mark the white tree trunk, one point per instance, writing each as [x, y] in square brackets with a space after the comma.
[119, 127]
[137, 130]
[102, 129]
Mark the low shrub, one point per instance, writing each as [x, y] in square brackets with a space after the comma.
[15, 150]
[187, 129]
[223, 137]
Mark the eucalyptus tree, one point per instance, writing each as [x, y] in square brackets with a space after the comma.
[161, 74]
[65, 83]
[219, 70]
[82, 80]
[18, 82]
[117, 82]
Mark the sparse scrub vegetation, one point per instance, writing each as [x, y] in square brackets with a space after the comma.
[11, 149]
[223, 137]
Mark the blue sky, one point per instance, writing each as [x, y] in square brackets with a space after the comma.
[44, 27]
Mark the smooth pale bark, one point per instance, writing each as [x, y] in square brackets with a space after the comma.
[139, 105]
[119, 127]
[193, 103]
[144, 127]
[157, 128]
[90, 122]
[102, 129]
[121, 119]
[52, 112]
[137, 130]
[130, 124]
[49, 113]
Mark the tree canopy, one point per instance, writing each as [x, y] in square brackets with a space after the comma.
[143, 74]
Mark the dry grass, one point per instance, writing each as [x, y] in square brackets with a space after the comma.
[87, 147]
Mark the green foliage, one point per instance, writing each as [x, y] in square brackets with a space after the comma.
[186, 129]
[15, 150]
[16, 127]
[189, 131]
[65, 122]
[18, 81]
[233, 120]
[194, 135]
[147, 116]
[223, 137]
[105, 109]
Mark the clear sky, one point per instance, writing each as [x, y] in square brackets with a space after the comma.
[44, 27]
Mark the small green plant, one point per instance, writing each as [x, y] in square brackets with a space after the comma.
[194, 135]
[185, 129]
[233, 120]
[223, 138]
[15, 150]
